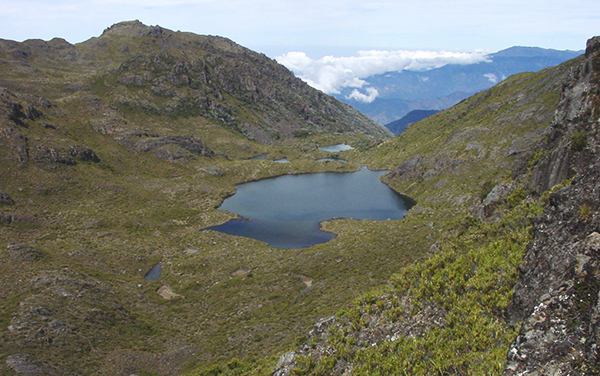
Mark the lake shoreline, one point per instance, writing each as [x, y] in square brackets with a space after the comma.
[290, 213]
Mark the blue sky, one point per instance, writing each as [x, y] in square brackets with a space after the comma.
[319, 28]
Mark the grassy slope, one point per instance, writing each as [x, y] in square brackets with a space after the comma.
[448, 308]
[466, 148]
[109, 223]
[102, 226]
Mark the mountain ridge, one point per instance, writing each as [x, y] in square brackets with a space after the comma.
[398, 126]
[408, 90]
[116, 155]
[132, 55]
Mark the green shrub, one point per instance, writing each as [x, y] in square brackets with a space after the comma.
[469, 281]
[486, 188]
[578, 141]
[585, 211]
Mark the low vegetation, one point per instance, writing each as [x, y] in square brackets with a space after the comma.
[445, 312]
[80, 232]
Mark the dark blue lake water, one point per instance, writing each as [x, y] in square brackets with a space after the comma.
[285, 211]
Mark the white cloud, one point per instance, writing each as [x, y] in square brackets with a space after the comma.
[328, 74]
[331, 74]
[491, 77]
[372, 93]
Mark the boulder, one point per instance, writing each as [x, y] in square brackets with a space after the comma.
[83, 154]
[166, 292]
[5, 199]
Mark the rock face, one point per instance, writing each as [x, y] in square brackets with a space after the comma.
[556, 296]
[570, 147]
[156, 71]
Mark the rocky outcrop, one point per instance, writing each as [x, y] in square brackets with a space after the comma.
[22, 252]
[5, 199]
[570, 141]
[29, 365]
[485, 210]
[68, 156]
[20, 109]
[381, 329]
[556, 296]
[19, 112]
[171, 148]
[408, 169]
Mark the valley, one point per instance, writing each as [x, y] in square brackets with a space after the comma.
[103, 182]
[118, 151]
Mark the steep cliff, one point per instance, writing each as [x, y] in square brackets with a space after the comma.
[556, 296]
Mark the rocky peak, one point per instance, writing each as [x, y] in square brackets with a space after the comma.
[131, 29]
[592, 46]
[194, 74]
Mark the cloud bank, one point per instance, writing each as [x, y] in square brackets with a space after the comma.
[331, 74]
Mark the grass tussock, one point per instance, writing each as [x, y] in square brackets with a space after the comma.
[446, 312]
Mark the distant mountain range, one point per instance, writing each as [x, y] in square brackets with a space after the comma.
[400, 125]
[440, 88]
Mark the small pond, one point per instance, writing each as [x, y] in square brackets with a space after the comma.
[336, 148]
[154, 273]
[260, 156]
[285, 211]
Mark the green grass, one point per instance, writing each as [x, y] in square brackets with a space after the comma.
[111, 222]
[103, 226]
[467, 285]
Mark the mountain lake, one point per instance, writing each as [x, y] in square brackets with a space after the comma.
[285, 211]
[336, 148]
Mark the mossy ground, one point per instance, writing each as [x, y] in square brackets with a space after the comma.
[102, 226]
[108, 223]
